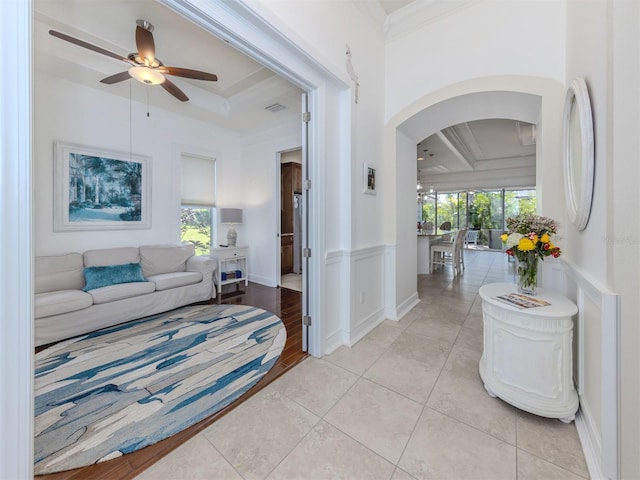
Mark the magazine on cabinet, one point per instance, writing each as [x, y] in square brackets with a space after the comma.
[520, 300]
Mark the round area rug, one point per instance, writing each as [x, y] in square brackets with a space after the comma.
[119, 389]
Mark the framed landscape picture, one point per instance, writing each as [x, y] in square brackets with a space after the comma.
[100, 189]
[369, 180]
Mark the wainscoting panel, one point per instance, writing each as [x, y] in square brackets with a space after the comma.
[367, 292]
[596, 365]
[356, 285]
[336, 286]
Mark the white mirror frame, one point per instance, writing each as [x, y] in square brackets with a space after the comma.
[578, 166]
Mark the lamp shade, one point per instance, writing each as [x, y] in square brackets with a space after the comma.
[231, 215]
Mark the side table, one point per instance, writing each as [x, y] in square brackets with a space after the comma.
[232, 260]
[527, 359]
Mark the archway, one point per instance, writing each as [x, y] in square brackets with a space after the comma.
[534, 100]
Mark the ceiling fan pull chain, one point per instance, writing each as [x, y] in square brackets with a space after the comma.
[147, 102]
[130, 124]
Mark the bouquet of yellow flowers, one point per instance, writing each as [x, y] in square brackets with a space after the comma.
[529, 238]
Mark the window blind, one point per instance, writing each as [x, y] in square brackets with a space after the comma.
[198, 181]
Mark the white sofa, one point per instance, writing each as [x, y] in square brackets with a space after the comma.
[173, 277]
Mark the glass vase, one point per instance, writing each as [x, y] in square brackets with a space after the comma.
[527, 274]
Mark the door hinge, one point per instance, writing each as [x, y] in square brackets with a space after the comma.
[306, 252]
[306, 184]
[306, 320]
[306, 117]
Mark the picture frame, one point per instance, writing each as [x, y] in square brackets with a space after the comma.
[369, 179]
[100, 189]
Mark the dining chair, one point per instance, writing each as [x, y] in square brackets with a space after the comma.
[460, 247]
[445, 226]
[449, 253]
[472, 237]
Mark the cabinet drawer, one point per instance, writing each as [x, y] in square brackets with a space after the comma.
[231, 254]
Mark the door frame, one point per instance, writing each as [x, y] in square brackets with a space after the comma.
[244, 28]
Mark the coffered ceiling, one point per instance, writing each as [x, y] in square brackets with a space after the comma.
[238, 100]
[486, 153]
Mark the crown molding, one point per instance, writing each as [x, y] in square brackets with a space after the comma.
[420, 13]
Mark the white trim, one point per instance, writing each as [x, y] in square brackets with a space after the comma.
[606, 463]
[406, 306]
[262, 280]
[590, 447]
[363, 327]
[16, 294]
[243, 27]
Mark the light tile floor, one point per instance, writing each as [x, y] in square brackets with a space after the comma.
[405, 403]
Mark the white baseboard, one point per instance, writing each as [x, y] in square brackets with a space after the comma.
[267, 281]
[332, 342]
[402, 309]
[364, 327]
[590, 444]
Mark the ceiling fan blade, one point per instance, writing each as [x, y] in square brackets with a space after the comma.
[188, 73]
[118, 77]
[82, 43]
[146, 45]
[173, 90]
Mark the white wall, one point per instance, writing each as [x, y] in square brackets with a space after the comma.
[524, 38]
[259, 193]
[351, 219]
[72, 113]
[492, 48]
[603, 46]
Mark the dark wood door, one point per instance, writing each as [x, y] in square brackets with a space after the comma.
[286, 254]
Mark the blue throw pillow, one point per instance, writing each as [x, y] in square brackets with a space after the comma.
[96, 277]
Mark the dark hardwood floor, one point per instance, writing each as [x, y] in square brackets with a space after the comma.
[286, 304]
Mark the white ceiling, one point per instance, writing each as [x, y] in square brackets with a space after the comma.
[244, 87]
[237, 100]
[496, 149]
[391, 6]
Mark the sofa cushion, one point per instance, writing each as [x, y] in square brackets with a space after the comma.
[62, 301]
[120, 291]
[101, 276]
[111, 256]
[159, 259]
[58, 272]
[165, 281]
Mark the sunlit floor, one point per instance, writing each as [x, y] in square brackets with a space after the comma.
[292, 281]
[404, 403]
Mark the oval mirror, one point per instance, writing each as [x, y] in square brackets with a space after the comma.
[578, 156]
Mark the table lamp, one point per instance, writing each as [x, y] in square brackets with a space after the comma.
[231, 217]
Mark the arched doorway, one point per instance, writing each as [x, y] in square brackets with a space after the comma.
[534, 100]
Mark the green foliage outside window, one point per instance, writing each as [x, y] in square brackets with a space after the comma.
[195, 227]
[485, 209]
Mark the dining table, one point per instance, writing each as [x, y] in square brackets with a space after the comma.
[426, 238]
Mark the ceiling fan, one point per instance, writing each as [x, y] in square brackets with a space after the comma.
[145, 67]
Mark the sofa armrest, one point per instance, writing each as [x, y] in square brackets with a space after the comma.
[203, 264]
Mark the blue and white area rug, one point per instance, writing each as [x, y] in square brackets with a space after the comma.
[114, 391]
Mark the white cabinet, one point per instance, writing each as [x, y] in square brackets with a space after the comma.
[232, 266]
[527, 357]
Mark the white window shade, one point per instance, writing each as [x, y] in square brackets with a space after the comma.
[198, 176]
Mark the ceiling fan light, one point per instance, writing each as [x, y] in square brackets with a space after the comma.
[145, 75]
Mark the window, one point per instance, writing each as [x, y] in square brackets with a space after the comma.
[198, 194]
[519, 201]
[485, 211]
